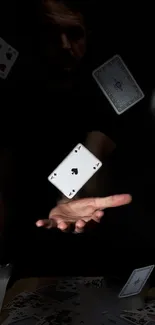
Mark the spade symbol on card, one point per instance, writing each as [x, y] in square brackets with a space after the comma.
[9, 55]
[74, 171]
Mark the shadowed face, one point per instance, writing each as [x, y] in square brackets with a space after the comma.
[63, 37]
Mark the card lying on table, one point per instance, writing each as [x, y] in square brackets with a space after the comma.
[118, 84]
[74, 171]
[136, 318]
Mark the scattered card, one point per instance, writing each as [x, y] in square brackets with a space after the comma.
[118, 84]
[74, 171]
[26, 300]
[136, 281]
[96, 282]
[8, 56]
[149, 308]
[135, 318]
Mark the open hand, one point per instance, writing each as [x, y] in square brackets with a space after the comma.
[79, 212]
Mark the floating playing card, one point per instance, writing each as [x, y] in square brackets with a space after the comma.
[117, 84]
[8, 56]
[136, 281]
[74, 171]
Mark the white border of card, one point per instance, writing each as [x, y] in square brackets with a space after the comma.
[130, 97]
[80, 163]
[125, 292]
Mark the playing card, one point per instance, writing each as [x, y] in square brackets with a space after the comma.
[135, 318]
[118, 84]
[96, 282]
[8, 56]
[149, 308]
[27, 299]
[40, 312]
[30, 304]
[136, 281]
[74, 171]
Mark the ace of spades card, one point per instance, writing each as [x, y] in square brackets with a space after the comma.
[74, 171]
[8, 56]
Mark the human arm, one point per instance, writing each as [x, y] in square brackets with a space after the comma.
[81, 210]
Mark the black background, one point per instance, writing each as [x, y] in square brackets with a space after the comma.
[29, 132]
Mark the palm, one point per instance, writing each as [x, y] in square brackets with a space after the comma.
[71, 212]
[81, 211]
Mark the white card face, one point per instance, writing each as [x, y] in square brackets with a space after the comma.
[118, 84]
[136, 281]
[74, 171]
[8, 56]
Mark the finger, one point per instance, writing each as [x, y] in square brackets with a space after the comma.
[112, 201]
[79, 226]
[46, 223]
[62, 226]
[97, 216]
